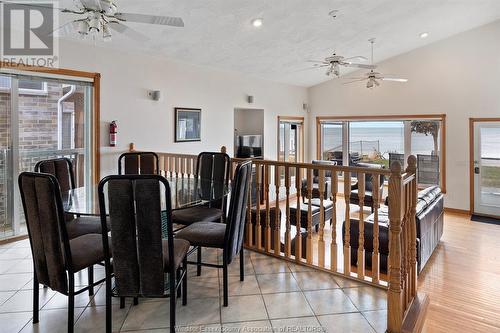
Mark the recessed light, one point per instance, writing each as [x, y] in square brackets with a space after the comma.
[257, 22]
[424, 35]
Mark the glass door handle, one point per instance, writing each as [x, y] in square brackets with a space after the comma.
[476, 170]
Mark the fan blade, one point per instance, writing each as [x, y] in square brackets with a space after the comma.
[67, 29]
[317, 61]
[394, 79]
[129, 32]
[358, 80]
[151, 19]
[354, 78]
[358, 58]
[309, 68]
[376, 83]
[349, 64]
[91, 4]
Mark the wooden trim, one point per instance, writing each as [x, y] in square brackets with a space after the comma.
[13, 239]
[415, 318]
[297, 119]
[378, 117]
[96, 77]
[97, 128]
[440, 116]
[471, 158]
[457, 211]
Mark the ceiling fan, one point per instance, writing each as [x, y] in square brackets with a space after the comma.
[99, 17]
[334, 62]
[373, 78]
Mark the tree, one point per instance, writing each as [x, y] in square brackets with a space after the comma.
[427, 128]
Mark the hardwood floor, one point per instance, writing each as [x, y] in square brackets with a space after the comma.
[462, 278]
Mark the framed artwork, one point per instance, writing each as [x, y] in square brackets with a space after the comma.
[187, 124]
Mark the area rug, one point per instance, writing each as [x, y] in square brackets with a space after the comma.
[485, 219]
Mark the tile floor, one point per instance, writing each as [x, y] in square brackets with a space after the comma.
[275, 296]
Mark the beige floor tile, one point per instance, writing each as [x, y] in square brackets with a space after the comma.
[148, 315]
[269, 265]
[203, 287]
[367, 298]
[315, 280]
[378, 319]
[300, 268]
[5, 295]
[244, 308]
[287, 305]
[52, 321]
[14, 322]
[300, 324]
[234, 268]
[6, 265]
[276, 283]
[347, 283]
[22, 301]
[329, 301]
[93, 319]
[14, 281]
[239, 288]
[261, 326]
[25, 243]
[15, 254]
[60, 301]
[345, 323]
[99, 298]
[21, 266]
[205, 272]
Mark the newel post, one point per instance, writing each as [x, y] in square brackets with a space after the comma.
[394, 294]
[131, 146]
[223, 149]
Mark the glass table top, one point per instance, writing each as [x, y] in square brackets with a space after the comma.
[185, 192]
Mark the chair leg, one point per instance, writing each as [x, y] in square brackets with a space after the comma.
[136, 300]
[224, 279]
[108, 300]
[172, 303]
[36, 291]
[242, 265]
[184, 282]
[198, 261]
[90, 271]
[178, 276]
[122, 302]
[71, 303]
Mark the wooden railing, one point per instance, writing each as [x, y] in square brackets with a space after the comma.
[310, 195]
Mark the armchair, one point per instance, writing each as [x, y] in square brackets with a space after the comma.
[368, 187]
[315, 189]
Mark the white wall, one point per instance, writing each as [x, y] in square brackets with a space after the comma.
[125, 79]
[459, 76]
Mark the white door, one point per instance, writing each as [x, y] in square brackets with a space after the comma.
[487, 168]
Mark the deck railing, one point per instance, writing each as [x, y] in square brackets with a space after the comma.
[288, 188]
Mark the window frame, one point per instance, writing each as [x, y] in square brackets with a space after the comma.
[26, 91]
[346, 119]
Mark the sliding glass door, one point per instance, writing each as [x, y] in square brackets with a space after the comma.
[41, 118]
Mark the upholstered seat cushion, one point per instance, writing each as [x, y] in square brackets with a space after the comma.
[191, 215]
[86, 250]
[206, 234]
[84, 225]
[181, 247]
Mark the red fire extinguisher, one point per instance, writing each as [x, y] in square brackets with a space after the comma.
[113, 128]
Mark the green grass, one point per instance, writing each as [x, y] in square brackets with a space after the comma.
[490, 176]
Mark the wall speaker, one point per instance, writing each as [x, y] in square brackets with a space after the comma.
[305, 107]
[250, 99]
[154, 95]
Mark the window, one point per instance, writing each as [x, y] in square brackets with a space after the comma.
[30, 87]
[382, 140]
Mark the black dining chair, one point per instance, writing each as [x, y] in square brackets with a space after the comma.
[62, 170]
[138, 163]
[141, 259]
[212, 172]
[226, 236]
[56, 257]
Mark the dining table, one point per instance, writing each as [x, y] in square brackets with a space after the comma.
[184, 192]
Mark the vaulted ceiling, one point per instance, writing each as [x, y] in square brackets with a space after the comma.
[219, 33]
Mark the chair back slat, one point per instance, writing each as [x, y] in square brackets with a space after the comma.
[61, 168]
[213, 173]
[135, 163]
[135, 209]
[235, 228]
[42, 205]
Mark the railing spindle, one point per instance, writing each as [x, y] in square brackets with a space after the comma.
[298, 235]
[347, 234]
[361, 233]
[288, 241]
[267, 235]
[333, 245]
[321, 241]
[375, 253]
[258, 229]
[277, 222]
[309, 254]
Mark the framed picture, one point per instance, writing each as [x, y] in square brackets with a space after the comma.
[187, 124]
